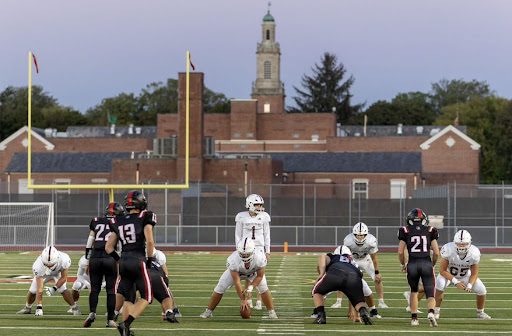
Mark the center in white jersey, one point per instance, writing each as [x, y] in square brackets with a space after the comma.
[236, 264]
[41, 271]
[459, 266]
[361, 251]
[257, 228]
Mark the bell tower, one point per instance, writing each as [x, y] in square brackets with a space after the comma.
[268, 89]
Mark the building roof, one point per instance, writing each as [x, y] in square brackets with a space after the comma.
[389, 131]
[268, 18]
[65, 162]
[105, 132]
[409, 162]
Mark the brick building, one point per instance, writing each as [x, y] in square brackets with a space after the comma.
[256, 141]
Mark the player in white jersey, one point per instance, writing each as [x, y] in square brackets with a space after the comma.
[50, 265]
[244, 264]
[364, 247]
[459, 266]
[82, 280]
[254, 223]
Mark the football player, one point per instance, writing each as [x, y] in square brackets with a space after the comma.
[243, 264]
[459, 266]
[338, 272]
[100, 265]
[162, 261]
[419, 239]
[364, 247]
[254, 223]
[135, 232]
[50, 265]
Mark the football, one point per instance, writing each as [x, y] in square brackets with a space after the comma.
[246, 313]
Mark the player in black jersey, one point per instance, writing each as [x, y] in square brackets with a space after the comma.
[339, 273]
[101, 264]
[135, 232]
[419, 239]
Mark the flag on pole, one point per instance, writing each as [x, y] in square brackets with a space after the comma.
[35, 62]
[192, 65]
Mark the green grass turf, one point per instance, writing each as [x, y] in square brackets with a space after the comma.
[290, 277]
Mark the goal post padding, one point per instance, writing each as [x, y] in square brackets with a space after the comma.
[26, 225]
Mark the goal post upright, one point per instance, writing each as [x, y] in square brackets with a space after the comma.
[111, 187]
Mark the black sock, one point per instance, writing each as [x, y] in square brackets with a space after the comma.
[320, 309]
[414, 316]
[111, 305]
[362, 309]
[431, 311]
[129, 321]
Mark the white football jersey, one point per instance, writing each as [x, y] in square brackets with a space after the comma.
[160, 257]
[82, 264]
[361, 251]
[63, 264]
[235, 264]
[457, 266]
[257, 228]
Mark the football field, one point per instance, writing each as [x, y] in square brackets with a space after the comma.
[290, 277]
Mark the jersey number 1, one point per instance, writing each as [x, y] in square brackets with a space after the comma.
[127, 233]
[417, 240]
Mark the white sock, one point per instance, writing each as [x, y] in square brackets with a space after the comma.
[372, 307]
[338, 300]
[28, 305]
[479, 310]
[258, 301]
[437, 309]
[381, 300]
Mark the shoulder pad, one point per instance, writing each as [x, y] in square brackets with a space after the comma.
[65, 261]
[371, 240]
[447, 250]
[475, 254]
[265, 216]
[240, 216]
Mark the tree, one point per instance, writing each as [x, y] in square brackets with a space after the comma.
[125, 107]
[216, 102]
[447, 92]
[326, 91]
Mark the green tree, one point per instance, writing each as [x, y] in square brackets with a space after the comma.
[216, 102]
[326, 91]
[455, 91]
[14, 107]
[125, 107]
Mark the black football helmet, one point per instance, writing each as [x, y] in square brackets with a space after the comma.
[135, 200]
[114, 209]
[417, 217]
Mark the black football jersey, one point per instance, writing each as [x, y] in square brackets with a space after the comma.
[418, 239]
[101, 228]
[130, 230]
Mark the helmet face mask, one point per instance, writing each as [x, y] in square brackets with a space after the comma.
[50, 258]
[246, 249]
[462, 240]
[114, 209]
[360, 232]
[252, 201]
[417, 217]
[135, 200]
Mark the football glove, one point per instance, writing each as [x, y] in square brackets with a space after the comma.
[50, 291]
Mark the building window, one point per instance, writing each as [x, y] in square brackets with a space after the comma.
[268, 34]
[62, 181]
[397, 189]
[266, 108]
[266, 68]
[23, 187]
[360, 188]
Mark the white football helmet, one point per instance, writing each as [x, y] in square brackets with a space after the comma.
[360, 229]
[342, 249]
[462, 237]
[50, 258]
[253, 199]
[246, 249]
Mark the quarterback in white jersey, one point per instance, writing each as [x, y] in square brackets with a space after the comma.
[364, 248]
[244, 264]
[50, 265]
[255, 224]
[459, 266]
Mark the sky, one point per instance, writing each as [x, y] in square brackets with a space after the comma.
[88, 50]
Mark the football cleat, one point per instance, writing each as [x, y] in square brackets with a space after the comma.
[483, 316]
[272, 314]
[321, 319]
[207, 314]
[374, 313]
[436, 315]
[123, 329]
[39, 312]
[111, 324]
[170, 317]
[336, 305]
[258, 305]
[383, 305]
[76, 311]
[432, 319]
[365, 316]
[176, 312]
[25, 310]
[90, 319]
[70, 310]
[315, 313]
[415, 322]
[408, 309]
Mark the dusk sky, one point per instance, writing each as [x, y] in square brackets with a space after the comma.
[95, 49]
